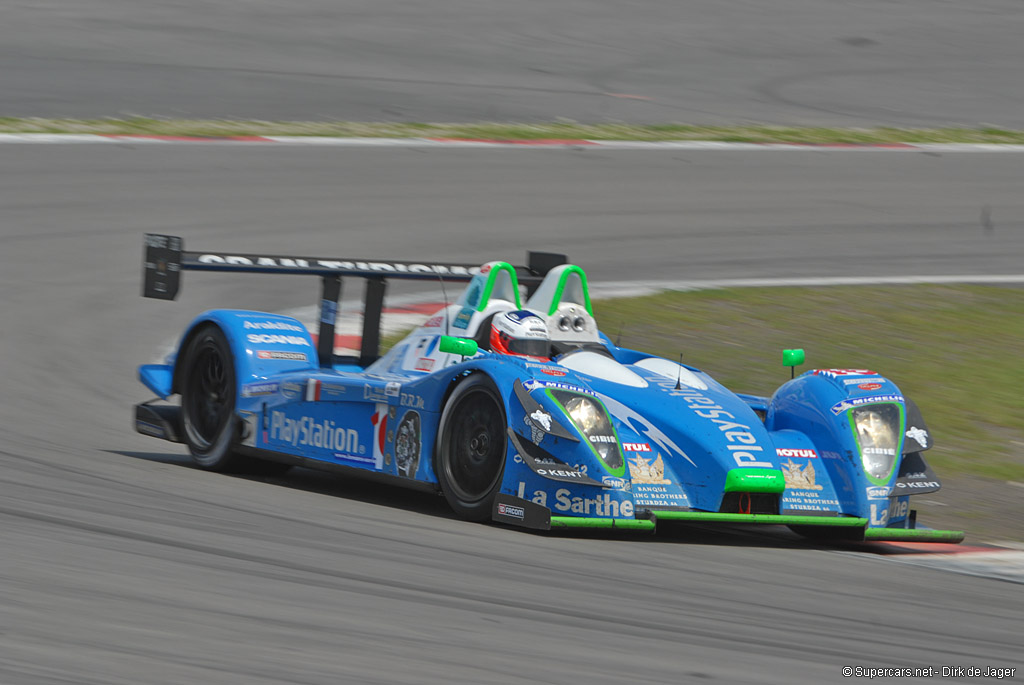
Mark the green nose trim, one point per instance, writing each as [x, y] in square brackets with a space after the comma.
[754, 480]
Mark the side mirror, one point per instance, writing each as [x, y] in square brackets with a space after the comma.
[792, 359]
[462, 346]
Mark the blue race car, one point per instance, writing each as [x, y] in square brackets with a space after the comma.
[518, 409]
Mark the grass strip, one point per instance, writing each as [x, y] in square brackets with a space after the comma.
[955, 349]
[512, 131]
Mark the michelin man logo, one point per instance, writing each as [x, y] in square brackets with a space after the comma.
[918, 434]
[539, 423]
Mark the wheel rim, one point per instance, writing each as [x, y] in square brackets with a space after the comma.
[476, 448]
[208, 397]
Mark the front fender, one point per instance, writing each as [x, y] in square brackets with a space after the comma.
[821, 405]
[548, 462]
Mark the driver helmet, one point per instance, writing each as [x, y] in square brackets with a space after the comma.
[521, 333]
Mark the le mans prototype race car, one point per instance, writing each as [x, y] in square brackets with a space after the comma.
[589, 435]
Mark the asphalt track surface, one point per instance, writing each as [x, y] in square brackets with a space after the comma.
[121, 563]
[804, 62]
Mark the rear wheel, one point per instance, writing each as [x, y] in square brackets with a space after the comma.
[208, 406]
[470, 458]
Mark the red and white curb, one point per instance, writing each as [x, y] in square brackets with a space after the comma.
[552, 143]
[1000, 561]
[348, 329]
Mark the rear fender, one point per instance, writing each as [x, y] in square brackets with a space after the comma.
[263, 345]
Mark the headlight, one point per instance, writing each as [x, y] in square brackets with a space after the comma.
[591, 418]
[585, 413]
[877, 428]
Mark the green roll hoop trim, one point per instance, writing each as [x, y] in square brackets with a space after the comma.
[618, 524]
[755, 480]
[913, 535]
[571, 269]
[489, 284]
[774, 519]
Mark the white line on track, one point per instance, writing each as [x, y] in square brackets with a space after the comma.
[397, 321]
[635, 288]
[564, 144]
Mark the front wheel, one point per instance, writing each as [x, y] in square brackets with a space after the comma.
[470, 457]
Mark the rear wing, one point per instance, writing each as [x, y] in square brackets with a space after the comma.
[164, 259]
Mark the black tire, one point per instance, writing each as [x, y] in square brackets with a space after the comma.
[470, 456]
[208, 401]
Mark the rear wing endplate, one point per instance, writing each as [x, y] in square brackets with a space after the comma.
[165, 258]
